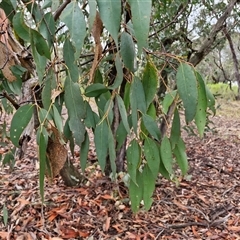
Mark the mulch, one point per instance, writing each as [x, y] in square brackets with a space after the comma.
[203, 205]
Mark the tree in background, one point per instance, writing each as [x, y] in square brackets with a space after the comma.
[121, 69]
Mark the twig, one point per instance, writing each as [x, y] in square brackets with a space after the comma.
[183, 225]
[60, 9]
[10, 99]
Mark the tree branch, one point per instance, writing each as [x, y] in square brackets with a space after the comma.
[206, 46]
[60, 9]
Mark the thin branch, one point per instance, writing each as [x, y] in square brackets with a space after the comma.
[10, 99]
[60, 9]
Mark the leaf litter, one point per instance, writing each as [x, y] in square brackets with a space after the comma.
[203, 205]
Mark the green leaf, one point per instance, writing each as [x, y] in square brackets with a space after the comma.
[201, 114]
[119, 78]
[94, 90]
[84, 152]
[141, 13]
[127, 50]
[42, 148]
[151, 126]
[136, 192]
[22, 30]
[151, 152]
[5, 215]
[110, 12]
[40, 44]
[148, 187]
[112, 152]
[19, 122]
[187, 88]
[98, 76]
[175, 130]
[73, 17]
[92, 13]
[150, 82]
[121, 135]
[49, 85]
[101, 143]
[76, 110]
[123, 113]
[210, 100]
[181, 156]
[57, 119]
[92, 118]
[72, 68]
[137, 100]
[126, 97]
[133, 159]
[168, 100]
[47, 28]
[40, 61]
[166, 155]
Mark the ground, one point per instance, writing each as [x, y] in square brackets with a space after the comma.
[204, 205]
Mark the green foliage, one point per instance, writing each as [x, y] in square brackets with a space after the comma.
[122, 103]
[19, 122]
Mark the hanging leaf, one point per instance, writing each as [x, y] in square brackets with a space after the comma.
[168, 100]
[175, 130]
[123, 113]
[133, 159]
[119, 78]
[136, 192]
[151, 152]
[137, 100]
[40, 44]
[76, 110]
[127, 50]
[92, 13]
[121, 135]
[68, 53]
[150, 82]
[47, 28]
[19, 122]
[151, 126]
[94, 90]
[141, 13]
[166, 155]
[84, 152]
[210, 100]
[42, 146]
[187, 88]
[110, 12]
[73, 17]
[148, 186]
[112, 152]
[181, 156]
[22, 30]
[40, 61]
[201, 114]
[57, 119]
[101, 143]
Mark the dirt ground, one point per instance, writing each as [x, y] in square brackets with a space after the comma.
[204, 205]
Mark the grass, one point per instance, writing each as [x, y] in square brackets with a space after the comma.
[223, 91]
[226, 104]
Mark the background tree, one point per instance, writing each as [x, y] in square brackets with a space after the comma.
[120, 70]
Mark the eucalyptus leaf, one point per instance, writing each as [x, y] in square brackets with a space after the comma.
[19, 122]
[187, 88]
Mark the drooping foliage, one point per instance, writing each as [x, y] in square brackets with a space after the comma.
[98, 61]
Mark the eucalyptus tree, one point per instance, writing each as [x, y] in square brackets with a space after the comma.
[109, 65]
